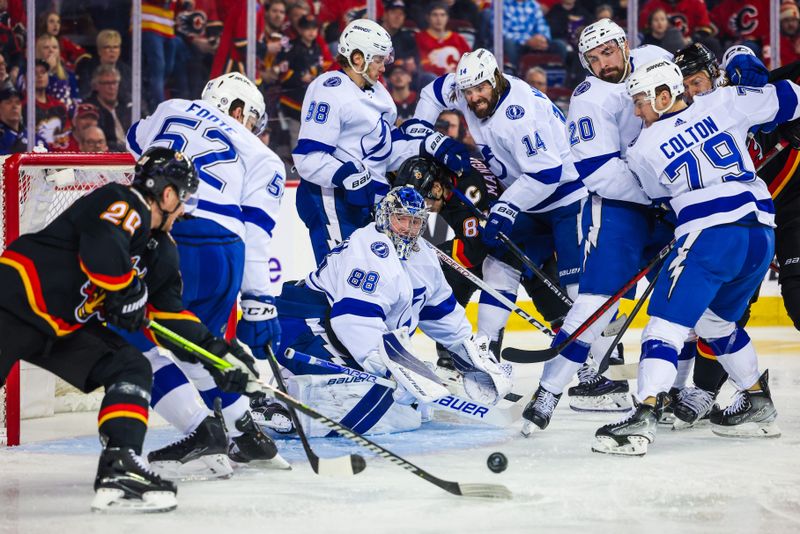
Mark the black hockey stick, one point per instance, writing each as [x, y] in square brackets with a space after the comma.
[483, 286]
[491, 491]
[533, 356]
[551, 284]
[338, 466]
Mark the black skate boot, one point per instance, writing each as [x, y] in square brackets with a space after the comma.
[693, 404]
[632, 435]
[254, 447]
[751, 414]
[539, 410]
[596, 393]
[445, 358]
[124, 484]
[670, 401]
[270, 414]
[201, 455]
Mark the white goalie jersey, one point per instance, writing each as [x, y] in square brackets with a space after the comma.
[241, 180]
[600, 125]
[371, 292]
[524, 142]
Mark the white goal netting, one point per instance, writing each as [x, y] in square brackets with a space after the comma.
[34, 190]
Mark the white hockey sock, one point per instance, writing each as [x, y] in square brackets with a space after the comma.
[493, 316]
[685, 364]
[557, 373]
[742, 365]
[655, 376]
[174, 398]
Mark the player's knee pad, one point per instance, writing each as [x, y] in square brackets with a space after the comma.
[658, 329]
[583, 307]
[729, 344]
[790, 290]
[500, 276]
[126, 364]
[712, 326]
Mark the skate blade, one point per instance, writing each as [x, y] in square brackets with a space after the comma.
[680, 424]
[636, 446]
[748, 430]
[275, 463]
[527, 429]
[613, 402]
[110, 500]
[667, 419]
[210, 467]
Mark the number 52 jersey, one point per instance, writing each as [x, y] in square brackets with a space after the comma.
[697, 158]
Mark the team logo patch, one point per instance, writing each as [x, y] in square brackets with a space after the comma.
[582, 88]
[380, 249]
[514, 112]
[332, 82]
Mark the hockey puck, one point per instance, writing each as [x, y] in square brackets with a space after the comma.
[497, 462]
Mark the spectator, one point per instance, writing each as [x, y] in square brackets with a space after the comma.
[115, 115]
[465, 10]
[232, 51]
[743, 21]
[4, 77]
[400, 88]
[158, 49]
[52, 123]
[295, 12]
[566, 21]
[405, 48]
[660, 33]
[525, 30]
[603, 11]
[439, 48]
[449, 123]
[71, 53]
[334, 15]
[109, 49]
[12, 36]
[197, 29]
[86, 115]
[63, 84]
[303, 63]
[790, 32]
[690, 17]
[93, 140]
[13, 136]
[536, 77]
[276, 41]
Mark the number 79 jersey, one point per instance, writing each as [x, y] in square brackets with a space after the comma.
[697, 158]
[241, 180]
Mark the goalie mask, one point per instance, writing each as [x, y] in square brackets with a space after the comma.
[224, 91]
[402, 215]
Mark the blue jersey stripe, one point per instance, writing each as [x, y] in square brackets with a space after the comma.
[434, 313]
[132, 139]
[307, 146]
[723, 205]
[351, 306]
[561, 191]
[258, 217]
[587, 166]
[438, 85]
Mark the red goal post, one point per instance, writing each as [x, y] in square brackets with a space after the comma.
[34, 189]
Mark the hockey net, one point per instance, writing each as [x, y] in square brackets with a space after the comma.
[34, 189]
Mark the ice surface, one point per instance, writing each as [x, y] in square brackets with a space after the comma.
[690, 481]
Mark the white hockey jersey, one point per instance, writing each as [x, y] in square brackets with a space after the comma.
[343, 123]
[371, 292]
[241, 180]
[601, 124]
[698, 157]
[524, 142]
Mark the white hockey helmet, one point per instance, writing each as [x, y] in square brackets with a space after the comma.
[476, 67]
[369, 38]
[595, 34]
[224, 90]
[648, 77]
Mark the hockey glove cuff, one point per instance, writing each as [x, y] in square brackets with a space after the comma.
[447, 151]
[259, 325]
[126, 308]
[501, 220]
[744, 68]
[360, 189]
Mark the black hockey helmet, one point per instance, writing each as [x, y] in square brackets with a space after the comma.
[160, 167]
[420, 173]
[695, 58]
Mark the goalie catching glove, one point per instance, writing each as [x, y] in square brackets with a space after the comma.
[242, 378]
[485, 380]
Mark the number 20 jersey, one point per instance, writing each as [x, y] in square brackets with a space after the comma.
[698, 157]
[241, 180]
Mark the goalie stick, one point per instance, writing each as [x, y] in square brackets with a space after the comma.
[533, 356]
[483, 286]
[551, 284]
[466, 408]
[490, 491]
[338, 466]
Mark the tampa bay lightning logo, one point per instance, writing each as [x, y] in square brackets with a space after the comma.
[377, 144]
[514, 112]
[380, 249]
[582, 88]
[495, 165]
[332, 82]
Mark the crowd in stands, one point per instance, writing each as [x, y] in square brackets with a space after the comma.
[83, 73]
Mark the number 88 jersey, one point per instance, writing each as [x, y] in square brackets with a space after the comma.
[697, 158]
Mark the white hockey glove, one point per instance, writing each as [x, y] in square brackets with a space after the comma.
[485, 380]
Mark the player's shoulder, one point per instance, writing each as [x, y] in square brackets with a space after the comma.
[372, 245]
[333, 82]
[647, 53]
[595, 94]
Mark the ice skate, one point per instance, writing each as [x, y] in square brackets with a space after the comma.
[254, 447]
[751, 414]
[693, 405]
[125, 484]
[273, 415]
[539, 410]
[670, 401]
[596, 393]
[201, 455]
[632, 435]
[445, 359]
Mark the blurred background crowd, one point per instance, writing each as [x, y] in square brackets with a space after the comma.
[83, 90]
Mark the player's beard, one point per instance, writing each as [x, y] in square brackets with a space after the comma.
[486, 107]
[611, 75]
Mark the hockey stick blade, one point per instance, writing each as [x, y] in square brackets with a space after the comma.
[628, 371]
[490, 491]
[535, 356]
